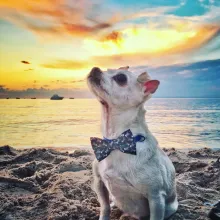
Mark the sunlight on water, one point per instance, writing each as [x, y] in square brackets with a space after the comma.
[181, 123]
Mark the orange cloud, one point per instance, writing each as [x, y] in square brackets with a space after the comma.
[143, 45]
[201, 37]
[140, 47]
[66, 64]
[114, 36]
[107, 41]
[55, 16]
[84, 30]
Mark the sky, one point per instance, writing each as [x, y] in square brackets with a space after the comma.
[49, 46]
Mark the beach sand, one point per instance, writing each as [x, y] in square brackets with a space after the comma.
[44, 184]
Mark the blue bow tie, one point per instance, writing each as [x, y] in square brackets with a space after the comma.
[126, 143]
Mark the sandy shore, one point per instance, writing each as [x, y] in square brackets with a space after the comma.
[44, 184]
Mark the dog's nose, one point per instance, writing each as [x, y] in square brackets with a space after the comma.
[95, 73]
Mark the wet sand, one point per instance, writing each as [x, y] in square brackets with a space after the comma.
[44, 184]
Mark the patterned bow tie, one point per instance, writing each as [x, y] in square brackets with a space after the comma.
[126, 143]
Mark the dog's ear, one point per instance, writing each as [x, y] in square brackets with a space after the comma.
[124, 68]
[151, 86]
[143, 77]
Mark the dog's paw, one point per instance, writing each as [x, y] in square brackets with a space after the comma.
[112, 205]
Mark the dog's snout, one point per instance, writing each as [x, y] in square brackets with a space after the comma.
[95, 76]
[95, 73]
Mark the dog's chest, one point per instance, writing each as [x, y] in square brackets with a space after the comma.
[118, 171]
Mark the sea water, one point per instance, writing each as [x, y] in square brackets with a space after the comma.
[69, 123]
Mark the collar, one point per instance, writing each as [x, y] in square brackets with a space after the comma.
[125, 142]
[137, 138]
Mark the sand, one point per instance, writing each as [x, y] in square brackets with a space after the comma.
[44, 184]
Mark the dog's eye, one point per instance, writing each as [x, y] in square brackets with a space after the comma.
[121, 79]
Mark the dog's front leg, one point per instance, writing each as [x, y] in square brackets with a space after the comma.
[102, 193]
[157, 206]
[103, 197]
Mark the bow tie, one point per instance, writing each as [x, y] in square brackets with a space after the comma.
[126, 143]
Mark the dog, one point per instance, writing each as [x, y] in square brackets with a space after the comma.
[142, 183]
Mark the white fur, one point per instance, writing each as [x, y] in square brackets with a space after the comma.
[140, 185]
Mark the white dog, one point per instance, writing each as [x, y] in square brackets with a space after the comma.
[142, 183]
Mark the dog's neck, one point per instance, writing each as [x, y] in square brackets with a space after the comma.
[116, 121]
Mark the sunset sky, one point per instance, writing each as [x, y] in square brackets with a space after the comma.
[49, 46]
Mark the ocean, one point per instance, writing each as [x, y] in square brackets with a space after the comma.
[69, 123]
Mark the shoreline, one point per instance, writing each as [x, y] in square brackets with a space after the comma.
[70, 149]
[46, 184]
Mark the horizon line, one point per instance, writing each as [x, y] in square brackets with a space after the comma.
[95, 98]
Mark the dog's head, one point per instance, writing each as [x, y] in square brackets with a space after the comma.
[120, 87]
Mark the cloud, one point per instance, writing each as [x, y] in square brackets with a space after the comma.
[77, 81]
[128, 48]
[84, 30]
[140, 46]
[152, 12]
[25, 62]
[187, 79]
[118, 48]
[201, 37]
[215, 88]
[145, 46]
[84, 18]
[186, 73]
[44, 93]
[65, 64]
[2, 88]
[114, 36]
[203, 71]
[58, 17]
[199, 79]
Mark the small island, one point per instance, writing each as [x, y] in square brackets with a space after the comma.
[56, 97]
